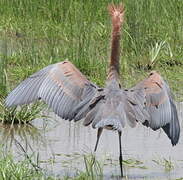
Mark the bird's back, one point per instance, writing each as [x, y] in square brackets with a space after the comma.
[110, 111]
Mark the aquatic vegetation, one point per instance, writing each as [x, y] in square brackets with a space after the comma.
[134, 163]
[16, 115]
[93, 169]
[167, 164]
[9, 169]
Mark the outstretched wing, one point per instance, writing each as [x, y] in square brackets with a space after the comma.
[154, 95]
[62, 86]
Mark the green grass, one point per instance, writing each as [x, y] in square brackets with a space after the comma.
[39, 33]
[21, 170]
[26, 169]
[93, 170]
[15, 115]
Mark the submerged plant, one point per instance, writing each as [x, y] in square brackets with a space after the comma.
[167, 164]
[134, 163]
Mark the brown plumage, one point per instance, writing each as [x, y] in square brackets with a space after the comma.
[117, 18]
[73, 97]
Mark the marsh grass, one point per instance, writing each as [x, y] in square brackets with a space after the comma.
[17, 115]
[46, 32]
[51, 31]
[93, 169]
[3, 66]
[13, 115]
[25, 169]
[9, 169]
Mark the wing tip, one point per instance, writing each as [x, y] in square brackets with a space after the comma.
[8, 102]
[174, 142]
[173, 132]
[175, 139]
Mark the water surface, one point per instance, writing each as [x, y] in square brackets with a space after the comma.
[60, 146]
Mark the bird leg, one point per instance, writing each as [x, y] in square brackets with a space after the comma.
[99, 132]
[120, 154]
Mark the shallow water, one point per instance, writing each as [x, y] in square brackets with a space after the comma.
[61, 145]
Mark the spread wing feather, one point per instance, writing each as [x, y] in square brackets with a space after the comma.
[27, 91]
[157, 100]
[62, 86]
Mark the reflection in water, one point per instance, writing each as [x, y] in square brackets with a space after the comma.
[9, 134]
[61, 145]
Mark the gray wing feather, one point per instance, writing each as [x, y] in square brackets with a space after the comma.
[159, 105]
[60, 85]
[135, 106]
[26, 92]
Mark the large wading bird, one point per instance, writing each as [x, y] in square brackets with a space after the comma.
[73, 97]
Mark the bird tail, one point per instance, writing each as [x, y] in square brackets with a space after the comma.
[110, 119]
[117, 17]
[104, 115]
